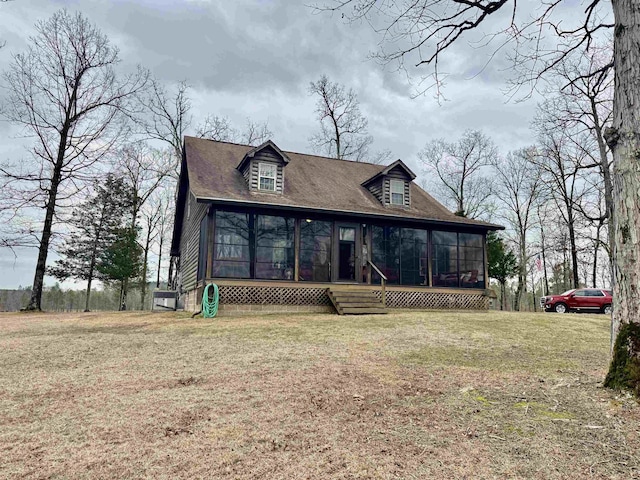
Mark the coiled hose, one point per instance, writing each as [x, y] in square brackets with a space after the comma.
[210, 306]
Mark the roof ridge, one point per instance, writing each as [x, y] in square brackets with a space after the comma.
[289, 151]
[221, 141]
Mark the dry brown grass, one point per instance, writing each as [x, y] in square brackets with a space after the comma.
[407, 395]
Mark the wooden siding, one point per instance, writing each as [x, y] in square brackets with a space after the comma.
[190, 242]
[267, 155]
[376, 189]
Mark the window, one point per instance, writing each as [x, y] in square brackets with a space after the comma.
[385, 253]
[347, 234]
[274, 247]
[413, 257]
[231, 245]
[397, 192]
[267, 176]
[315, 251]
[594, 293]
[444, 259]
[471, 249]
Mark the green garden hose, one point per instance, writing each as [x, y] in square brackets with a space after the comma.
[210, 306]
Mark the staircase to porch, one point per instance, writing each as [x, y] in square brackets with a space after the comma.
[351, 300]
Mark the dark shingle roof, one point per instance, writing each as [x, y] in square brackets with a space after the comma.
[310, 182]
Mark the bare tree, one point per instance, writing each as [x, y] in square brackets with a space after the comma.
[517, 188]
[151, 217]
[166, 208]
[562, 162]
[65, 93]
[146, 170]
[343, 129]
[170, 115]
[459, 169]
[584, 104]
[220, 129]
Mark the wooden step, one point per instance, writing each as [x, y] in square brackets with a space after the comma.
[352, 292]
[355, 301]
[360, 304]
[356, 298]
[364, 311]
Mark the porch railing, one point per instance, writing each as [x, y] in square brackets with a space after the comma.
[383, 281]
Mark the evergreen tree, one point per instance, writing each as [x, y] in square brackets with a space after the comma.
[502, 263]
[122, 260]
[95, 224]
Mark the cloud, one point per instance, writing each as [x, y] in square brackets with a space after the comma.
[256, 58]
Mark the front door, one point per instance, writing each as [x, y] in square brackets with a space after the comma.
[347, 240]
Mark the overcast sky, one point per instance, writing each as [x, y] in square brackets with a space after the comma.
[256, 58]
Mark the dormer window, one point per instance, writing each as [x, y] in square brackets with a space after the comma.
[397, 192]
[267, 173]
[263, 168]
[392, 185]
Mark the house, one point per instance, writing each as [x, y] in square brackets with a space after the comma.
[279, 231]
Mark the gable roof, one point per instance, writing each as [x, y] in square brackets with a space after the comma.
[311, 183]
[397, 164]
[251, 153]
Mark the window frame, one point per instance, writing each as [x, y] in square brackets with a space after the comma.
[261, 174]
[395, 181]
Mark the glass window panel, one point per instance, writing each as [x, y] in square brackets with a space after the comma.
[385, 253]
[274, 247]
[267, 173]
[444, 259]
[347, 234]
[315, 251]
[397, 192]
[471, 260]
[231, 245]
[413, 257]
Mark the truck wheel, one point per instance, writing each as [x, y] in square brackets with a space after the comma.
[607, 309]
[560, 308]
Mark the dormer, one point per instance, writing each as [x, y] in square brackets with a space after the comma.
[391, 185]
[263, 168]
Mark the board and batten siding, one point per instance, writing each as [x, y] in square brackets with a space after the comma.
[190, 241]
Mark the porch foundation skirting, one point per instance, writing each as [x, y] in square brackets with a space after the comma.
[247, 296]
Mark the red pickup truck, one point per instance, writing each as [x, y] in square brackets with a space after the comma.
[579, 300]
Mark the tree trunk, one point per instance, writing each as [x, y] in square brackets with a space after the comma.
[533, 290]
[624, 140]
[35, 301]
[143, 287]
[594, 273]
[606, 176]
[574, 249]
[94, 252]
[522, 276]
[86, 304]
[544, 254]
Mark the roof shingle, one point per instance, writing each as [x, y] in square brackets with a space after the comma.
[310, 182]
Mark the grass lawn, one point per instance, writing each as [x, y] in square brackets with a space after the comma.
[424, 395]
